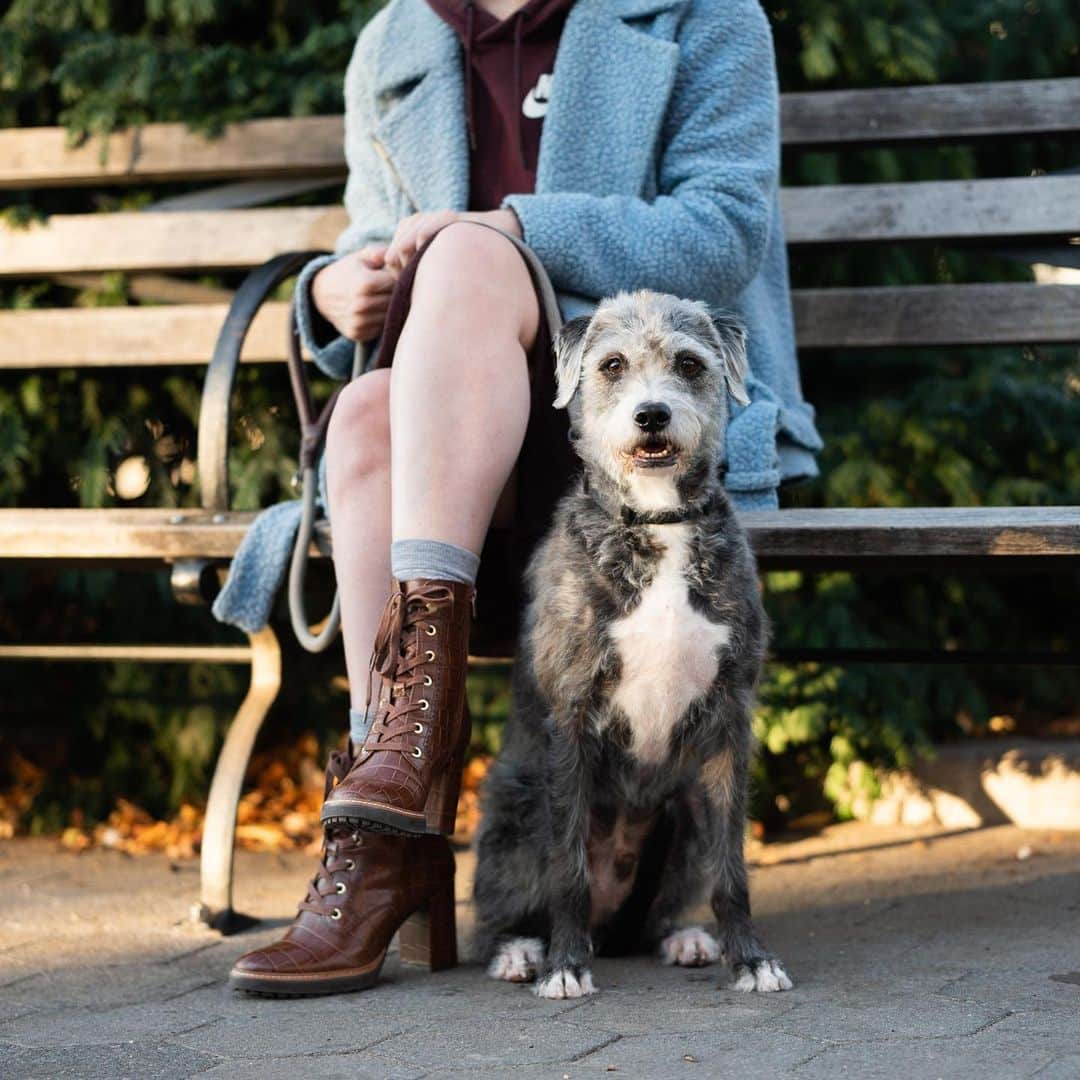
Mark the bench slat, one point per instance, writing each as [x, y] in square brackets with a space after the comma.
[949, 111]
[800, 535]
[191, 240]
[825, 318]
[219, 240]
[937, 315]
[308, 146]
[277, 147]
[132, 336]
[933, 210]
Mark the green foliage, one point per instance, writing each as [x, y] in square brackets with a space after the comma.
[931, 427]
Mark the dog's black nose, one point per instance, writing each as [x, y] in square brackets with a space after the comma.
[652, 416]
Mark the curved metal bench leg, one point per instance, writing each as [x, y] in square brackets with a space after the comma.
[219, 831]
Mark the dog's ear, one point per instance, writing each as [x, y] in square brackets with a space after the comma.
[569, 351]
[731, 348]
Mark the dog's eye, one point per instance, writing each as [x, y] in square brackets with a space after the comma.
[689, 366]
[613, 366]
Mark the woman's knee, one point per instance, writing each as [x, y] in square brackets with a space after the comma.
[468, 264]
[358, 439]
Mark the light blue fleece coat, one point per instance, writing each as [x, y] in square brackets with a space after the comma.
[659, 168]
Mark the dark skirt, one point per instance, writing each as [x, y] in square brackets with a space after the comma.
[545, 465]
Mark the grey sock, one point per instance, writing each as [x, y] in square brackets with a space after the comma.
[411, 559]
[360, 725]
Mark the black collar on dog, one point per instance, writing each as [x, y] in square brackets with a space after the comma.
[630, 516]
[667, 517]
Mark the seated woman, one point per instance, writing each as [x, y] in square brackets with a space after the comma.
[497, 151]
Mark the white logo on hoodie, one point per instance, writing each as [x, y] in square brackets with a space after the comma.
[536, 100]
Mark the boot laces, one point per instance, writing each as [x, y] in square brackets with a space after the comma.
[324, 891]
[404, 643]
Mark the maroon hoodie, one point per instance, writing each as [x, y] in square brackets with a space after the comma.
[508, 67]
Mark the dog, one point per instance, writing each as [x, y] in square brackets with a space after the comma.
[619, 796]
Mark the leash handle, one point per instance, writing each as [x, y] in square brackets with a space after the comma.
[313, 428]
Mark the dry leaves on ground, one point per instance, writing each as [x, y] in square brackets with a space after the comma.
[278, 812]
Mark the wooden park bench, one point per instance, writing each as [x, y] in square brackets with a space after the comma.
[233, 225]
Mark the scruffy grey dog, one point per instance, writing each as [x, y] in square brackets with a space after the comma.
[619, 796]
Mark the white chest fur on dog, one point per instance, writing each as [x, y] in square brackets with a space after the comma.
[668, 651]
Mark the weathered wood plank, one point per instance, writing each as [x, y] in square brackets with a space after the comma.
[933, 210]
[193, 240]
[132, 336]
[295, 146]
[283, 146]
[850, 536]
[937, 315]
[954, 532]
[218, 240]
[950, 111]
[825, 318]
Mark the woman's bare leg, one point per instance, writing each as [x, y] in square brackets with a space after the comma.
[358, 483]
[459, 398]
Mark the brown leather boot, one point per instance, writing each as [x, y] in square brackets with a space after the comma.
[407, 775]
[367, 887]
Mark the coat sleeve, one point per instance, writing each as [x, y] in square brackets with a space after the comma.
[705, 233]
[370, 207]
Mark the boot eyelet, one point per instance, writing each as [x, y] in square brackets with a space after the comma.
[430, 654]
[341, 888]
[418, 728]
[417, 752]
[424, 704]
[350, 864]
[335, 914]
[431, 631]
[428, 680]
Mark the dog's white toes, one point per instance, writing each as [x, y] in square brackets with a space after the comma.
[565, 984]
[517, 960]
[766, 978]
[690, 947]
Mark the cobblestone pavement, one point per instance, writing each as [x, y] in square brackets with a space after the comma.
[914, 955]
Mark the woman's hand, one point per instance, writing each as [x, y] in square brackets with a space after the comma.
[353, 293]
[414, 231]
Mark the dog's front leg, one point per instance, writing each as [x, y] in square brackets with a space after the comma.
[566, 971]
[724, 780]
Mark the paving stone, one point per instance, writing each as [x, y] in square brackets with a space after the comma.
[849, 1015]
[478, 1042]
[365, 1065]
[1020, 988]
[1008, 1050]
[697, 1055]
[125, 1061]
[1066, 1067]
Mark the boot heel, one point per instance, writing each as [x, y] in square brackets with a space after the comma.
[440, 809]
[429, 935]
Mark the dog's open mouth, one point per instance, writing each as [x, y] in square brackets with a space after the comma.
[654, 453]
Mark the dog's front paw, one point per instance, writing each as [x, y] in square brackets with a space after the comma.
[517, 960]
[764, 976]
[566, 983]
[690, 947]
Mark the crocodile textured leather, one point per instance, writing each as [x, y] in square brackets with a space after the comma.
[407, 774]
[367, 886]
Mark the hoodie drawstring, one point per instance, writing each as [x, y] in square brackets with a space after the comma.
[519, 19]
[470, 120]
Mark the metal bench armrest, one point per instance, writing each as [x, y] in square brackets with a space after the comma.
[214, 408]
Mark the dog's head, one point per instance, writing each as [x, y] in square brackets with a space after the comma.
[646, 380]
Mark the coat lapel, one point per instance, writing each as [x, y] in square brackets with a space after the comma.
[420, 90]
[609, 77]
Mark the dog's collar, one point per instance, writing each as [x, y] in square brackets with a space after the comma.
[667, 517]
[629, 516]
